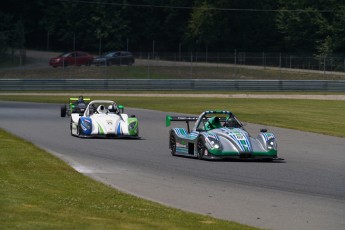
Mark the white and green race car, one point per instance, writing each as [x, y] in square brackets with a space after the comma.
[104, 118]
[219, 135]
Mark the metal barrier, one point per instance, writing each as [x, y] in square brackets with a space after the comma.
[191, 84]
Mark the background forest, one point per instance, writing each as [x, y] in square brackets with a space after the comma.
[299, 26]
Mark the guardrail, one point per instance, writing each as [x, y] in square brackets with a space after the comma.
[188, 84]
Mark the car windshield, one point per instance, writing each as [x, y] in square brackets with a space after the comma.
[64, 55]
[102, 107]
[110, 54]
[211, 118]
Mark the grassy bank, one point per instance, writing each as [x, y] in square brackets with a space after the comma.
[169, 72]
[319, 116]
[39, 191]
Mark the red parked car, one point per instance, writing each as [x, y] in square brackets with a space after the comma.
[77, 58]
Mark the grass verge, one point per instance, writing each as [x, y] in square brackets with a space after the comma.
[319, 116]
[39, 191]
[169, 72]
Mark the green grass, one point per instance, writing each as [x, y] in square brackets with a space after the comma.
[224, 92]
[319, 116]
[169, 72]
[39, 191]
[326, 117]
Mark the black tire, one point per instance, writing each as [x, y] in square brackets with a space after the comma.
[137, 132]
[70, 126]
[172, 144]
[79, 130]
[201, 148]
[63, 110]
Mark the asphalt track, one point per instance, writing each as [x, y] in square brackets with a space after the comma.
[306, 191]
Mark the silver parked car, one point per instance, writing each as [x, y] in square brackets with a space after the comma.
[115, 58]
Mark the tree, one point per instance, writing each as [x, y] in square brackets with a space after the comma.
[80, 25]
[304, 27]
[338, 28]
[5, 31]
[203, 27]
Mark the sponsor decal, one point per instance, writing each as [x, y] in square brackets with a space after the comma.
[268, 136]
[119, 130]
[239, 137]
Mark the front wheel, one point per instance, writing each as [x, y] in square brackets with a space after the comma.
[70, 126]
[79, 129]
[201, 149]
[172, 143]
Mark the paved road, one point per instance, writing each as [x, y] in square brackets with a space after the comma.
[307, 191]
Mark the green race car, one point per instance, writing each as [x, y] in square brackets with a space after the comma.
[219, 135]
[76, 105]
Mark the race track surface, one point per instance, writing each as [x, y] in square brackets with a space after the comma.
[306, 191]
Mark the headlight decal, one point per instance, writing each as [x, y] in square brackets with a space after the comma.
[271, 144]
[132, 125]
[86, 125]
[270, 140]
[212, 140]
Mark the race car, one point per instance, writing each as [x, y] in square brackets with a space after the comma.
[219, 135]
[104, 118]
[76, 105]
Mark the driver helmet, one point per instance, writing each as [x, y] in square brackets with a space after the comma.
[231, 122]
[80, 99]
[213, 123]
[101, 109]
[113, 108]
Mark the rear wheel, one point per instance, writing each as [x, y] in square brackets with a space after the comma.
[63, 110]
[172, 143]
[201, 148]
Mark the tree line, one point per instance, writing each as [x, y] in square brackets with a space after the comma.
[298, 26]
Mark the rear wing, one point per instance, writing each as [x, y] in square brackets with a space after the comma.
[73, 99]
[169, 119]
